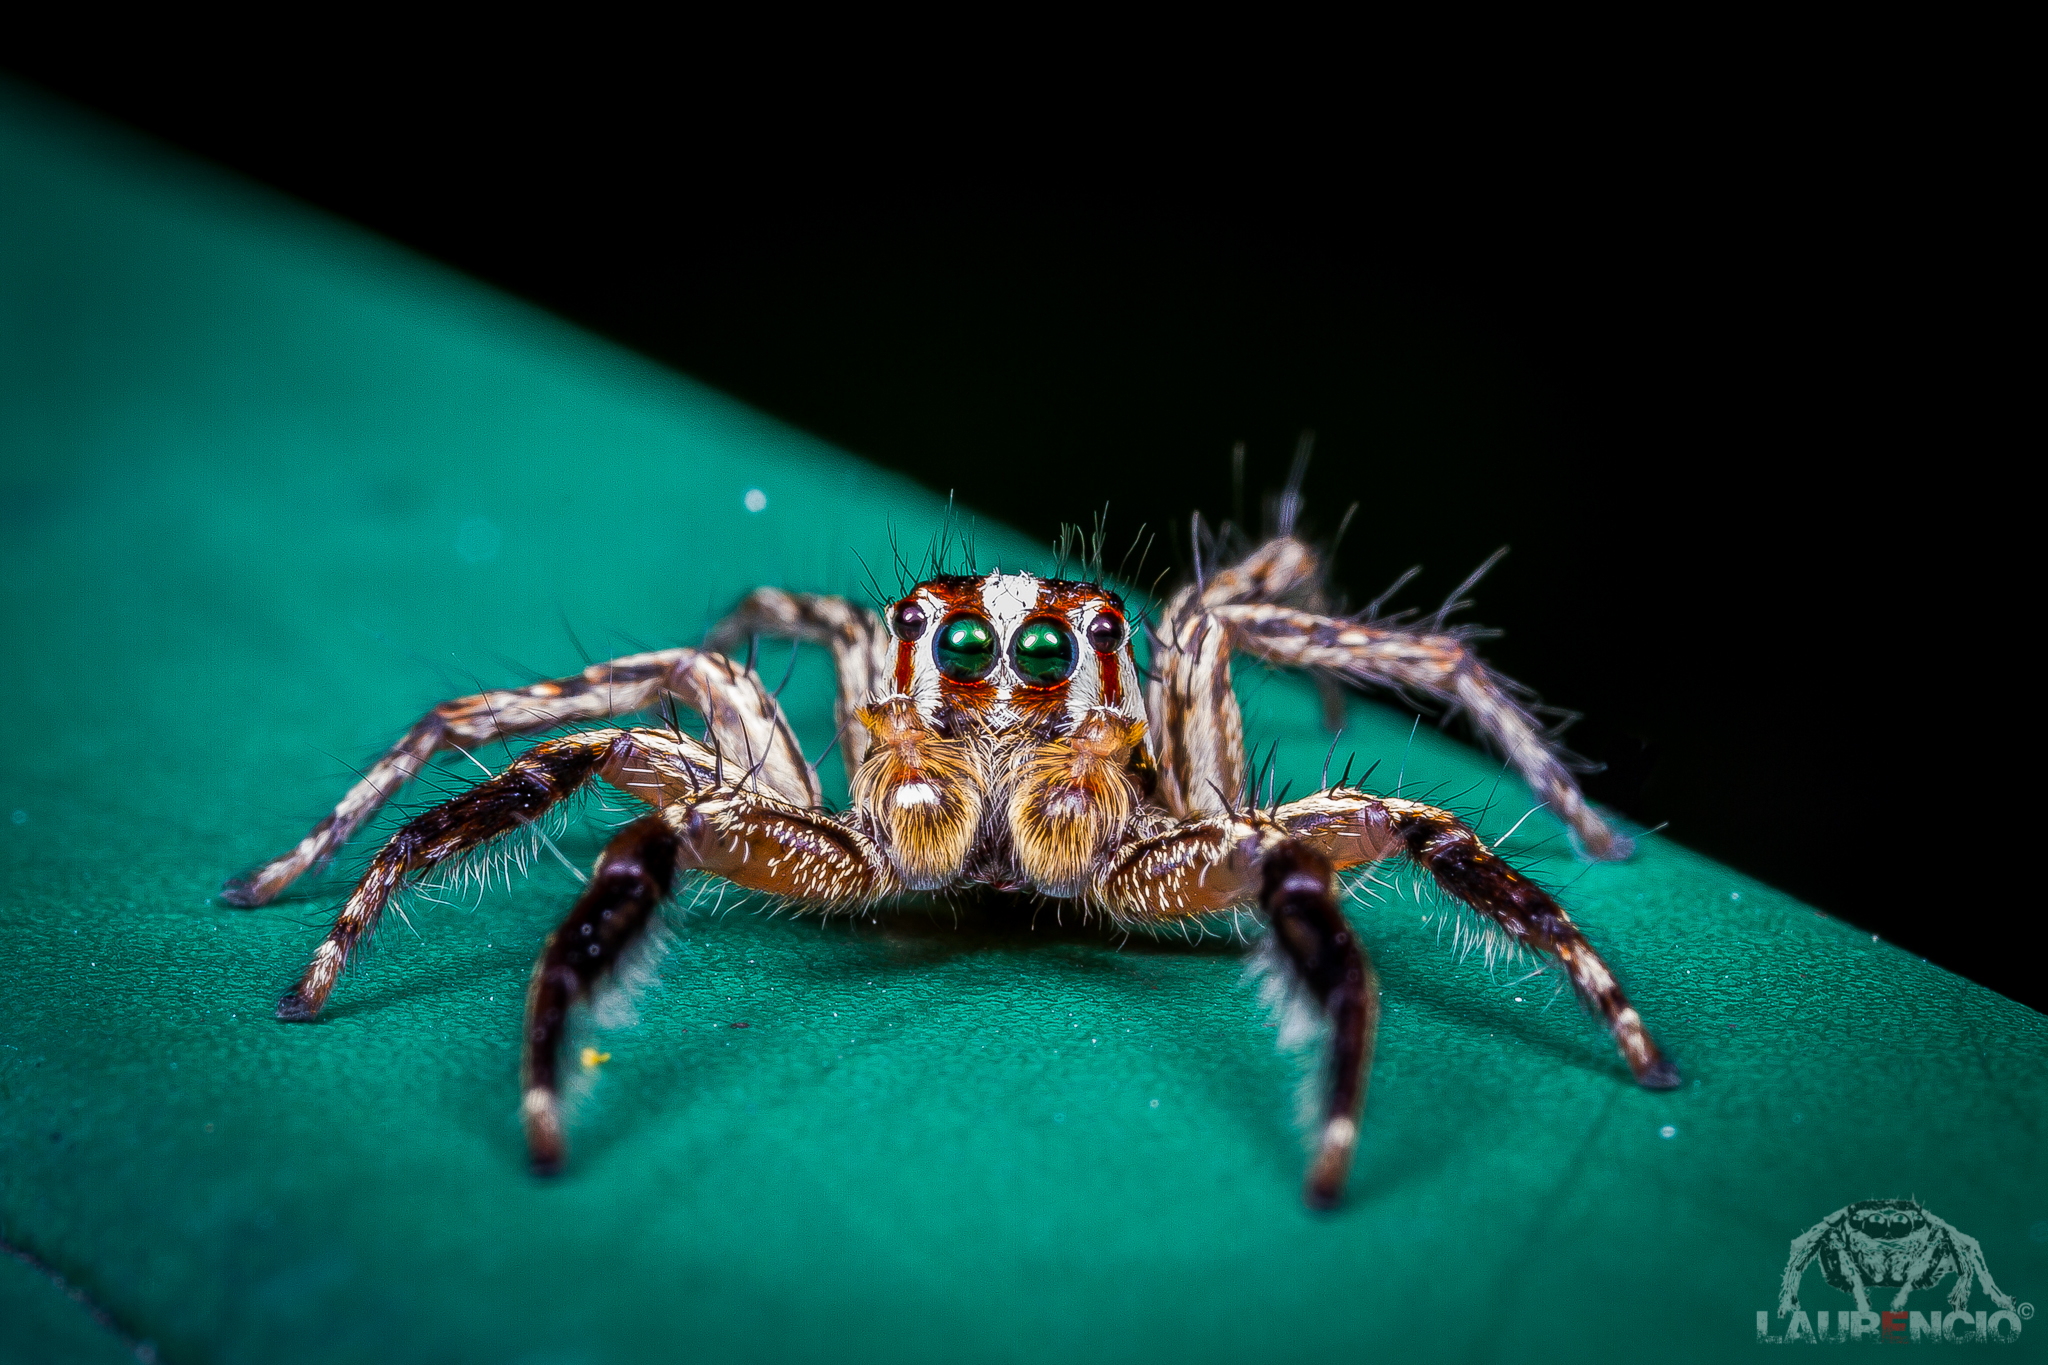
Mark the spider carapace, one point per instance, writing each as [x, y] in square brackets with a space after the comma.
[998, 732]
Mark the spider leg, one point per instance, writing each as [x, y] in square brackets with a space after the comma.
[729, 823]
[809, 858]
[1298, 894]
[1353, 828]
[744, 720]
[1270, 605]
[632, 878]
[1199, 866]
[1181, 869]
[863, 654]
[1969, 1258]
[497, 806]
[1191, 711]
[1439, 665]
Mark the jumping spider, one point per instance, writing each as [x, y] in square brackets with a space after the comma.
[997, 735]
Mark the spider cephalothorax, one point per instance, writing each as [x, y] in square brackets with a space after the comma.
[1010, 752]
[996, 735]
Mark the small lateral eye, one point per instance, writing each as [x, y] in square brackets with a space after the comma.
[908, 620]
[1043, 652]
[1106, 633]
[966, 648]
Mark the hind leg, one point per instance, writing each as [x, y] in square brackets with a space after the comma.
[1268, 605]
[1443, 666]
[863, 653]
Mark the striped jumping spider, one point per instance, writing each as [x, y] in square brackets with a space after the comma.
[998, 733]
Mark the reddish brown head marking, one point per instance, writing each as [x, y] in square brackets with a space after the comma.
[1011, 649]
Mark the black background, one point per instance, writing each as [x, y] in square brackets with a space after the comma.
[1731, 373]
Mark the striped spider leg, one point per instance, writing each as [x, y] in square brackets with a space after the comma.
[754, 828]
[1264, 606]
[1218, 854]
[745, 724]
[1286, 862]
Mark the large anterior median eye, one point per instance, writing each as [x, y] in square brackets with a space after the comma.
[966, 648]
[1043, 652]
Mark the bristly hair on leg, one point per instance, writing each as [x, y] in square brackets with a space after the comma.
[1284, 512]
[1290, 1005]
[1301, 1031]
[614, 1002]
[1457, 601]
[1371, 614]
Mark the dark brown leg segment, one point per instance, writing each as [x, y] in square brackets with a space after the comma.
[500, 805]
[1449, 851]
[633, 877]
[1298, 895]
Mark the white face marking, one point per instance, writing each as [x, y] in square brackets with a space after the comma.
[1007, 599]
[924, 669]
[917, 794]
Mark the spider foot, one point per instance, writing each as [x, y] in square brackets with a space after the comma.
[1324, 1188]
[1660, 1075]
[547, 1150]
[247, 891]
[296, 1009]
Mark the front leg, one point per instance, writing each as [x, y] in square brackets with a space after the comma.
[1196, 867]
[1298, 894]
[632, 878]
[803, 856]
[1180, 869]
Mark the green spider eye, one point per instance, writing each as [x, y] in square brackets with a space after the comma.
[966, 648]
[1043, 652]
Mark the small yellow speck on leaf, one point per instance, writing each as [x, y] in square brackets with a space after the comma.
[593, 1059]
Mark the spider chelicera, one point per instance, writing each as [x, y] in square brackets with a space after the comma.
[998, 733]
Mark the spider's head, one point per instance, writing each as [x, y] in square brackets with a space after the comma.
[1014, 649]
